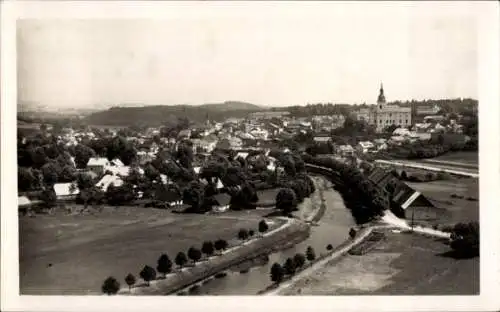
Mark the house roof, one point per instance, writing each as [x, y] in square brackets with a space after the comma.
[222, 199]
[64, 189]
[117, 162]
[243, 155]
[23, 201]
[98, 161]
[322, 138]
[108, 180]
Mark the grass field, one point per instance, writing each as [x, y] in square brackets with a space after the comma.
[460, 209]
[63, 254]
[402, 264]
[465, 157]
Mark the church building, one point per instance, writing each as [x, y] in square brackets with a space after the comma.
[383, 115]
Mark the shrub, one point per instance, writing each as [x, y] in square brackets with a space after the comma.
[404, 176]
[242, 234]
[110, 286]
[352, 233]
[251, 233]
[130, 280]
[465, 239]
[263, 227]
[289, 266]
[147, 274]
[277, 273]
[299, 260]
[329, 247]
[310, 254]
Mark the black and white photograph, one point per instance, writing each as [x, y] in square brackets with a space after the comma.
[238, 149]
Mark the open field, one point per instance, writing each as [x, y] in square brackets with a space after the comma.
[63, 254]
[464, 157]
[402, 264]
[460, 209]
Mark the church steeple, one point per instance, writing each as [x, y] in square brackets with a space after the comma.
[381, 96]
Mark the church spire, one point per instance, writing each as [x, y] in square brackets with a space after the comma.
[381, 96]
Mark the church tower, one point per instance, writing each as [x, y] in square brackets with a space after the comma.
[381, 97]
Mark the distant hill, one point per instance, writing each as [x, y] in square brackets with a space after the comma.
[160, 114]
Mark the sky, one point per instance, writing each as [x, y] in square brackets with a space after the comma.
[276, 55]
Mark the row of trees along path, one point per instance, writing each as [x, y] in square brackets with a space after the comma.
[165, 266]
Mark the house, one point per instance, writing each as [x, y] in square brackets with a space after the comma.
[222, 202]
[365, 147]
[345, 150]
[66, 191]
[243, 155]
[405, 201]
[98, 164]
[184, 134]
[322, 139]
[24, 204]
[206, 145]
[117, 162]
[108, 180]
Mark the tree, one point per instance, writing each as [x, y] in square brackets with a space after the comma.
[310, 254]
[25, 179]
[110, 286]
[130, 280]
[194, 254]
[50, 173]
[251, 233]
[48, 197]
[67, 174]
[465, 239]
[242, 234]
[207, 248]
[277, 273]
[403, 175]
[164, 265]
[181, 259]
[329, 247]
[194, 195]
[147, 274]
[299, 260]
[286, 201]
[289, 266]
[263, 227]
[82, 155]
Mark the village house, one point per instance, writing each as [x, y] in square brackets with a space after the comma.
[365, 147]
[66, 191]
[98, 164]
[345, 150]
[222, 202]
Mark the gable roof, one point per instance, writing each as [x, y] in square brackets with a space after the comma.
[222, 199]
[23, 201]
[98, 161]
[64, 189]
[117, 162]
[108, 180]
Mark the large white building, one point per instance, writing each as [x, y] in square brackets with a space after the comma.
[383, 115]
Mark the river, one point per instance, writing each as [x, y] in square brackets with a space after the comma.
[332, 229]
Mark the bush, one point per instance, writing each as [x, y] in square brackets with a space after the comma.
[277, 273]
[289, 266]
[404, 175]
[242, 234]
[263, 227]
[130, 280]
[147, 274]
[110, 286]
[299, 260]
[251, 233]
[310, 254]
[465, 239]
[329, 247]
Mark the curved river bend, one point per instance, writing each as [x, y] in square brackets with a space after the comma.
[332, 229]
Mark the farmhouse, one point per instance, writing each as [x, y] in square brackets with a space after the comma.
[98, 164]
[66, 191]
